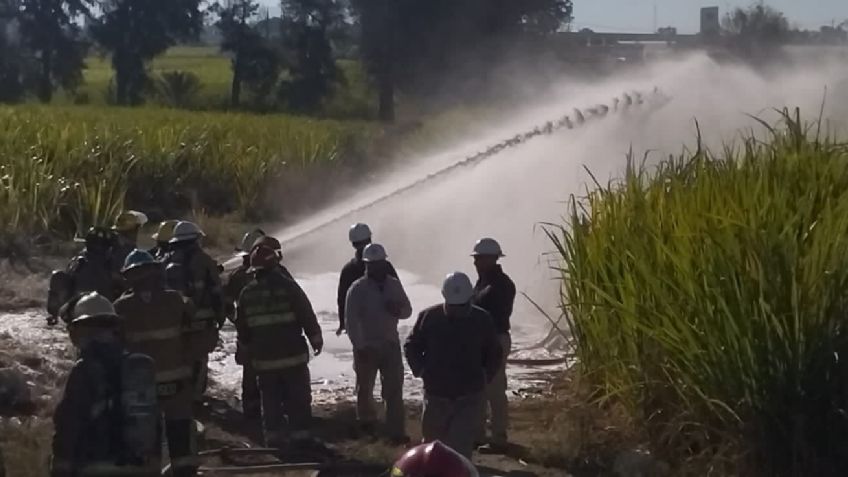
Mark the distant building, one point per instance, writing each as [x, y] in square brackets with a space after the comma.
[710, 26]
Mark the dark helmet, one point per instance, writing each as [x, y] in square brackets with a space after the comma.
[262, 257]
[270, 242]
[433, 460]
[138, 258]
[99, 237]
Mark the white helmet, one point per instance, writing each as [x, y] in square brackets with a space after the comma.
[359, 233]
[374, 253]
[185, 231]
[488, 247]
[457, 289]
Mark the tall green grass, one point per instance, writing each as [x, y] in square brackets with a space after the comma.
[709, 295]
[64, 169]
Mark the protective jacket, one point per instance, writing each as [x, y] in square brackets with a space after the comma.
[455, 355]
[198, 279]
[351, 272]
[495, 293]
[89, 437]
[272, 317]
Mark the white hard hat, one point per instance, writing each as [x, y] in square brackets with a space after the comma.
[359, 233]
[92, 307]
[374, 253]
[186, 231]
[457, 289]
[488, 247]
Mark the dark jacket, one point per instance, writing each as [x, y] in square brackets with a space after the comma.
[353, 271]
[495, 293]
[455, 355]
[84, 427]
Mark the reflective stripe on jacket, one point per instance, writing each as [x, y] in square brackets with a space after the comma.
[272, 316]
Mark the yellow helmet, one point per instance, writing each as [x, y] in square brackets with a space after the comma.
[129, 220]
[166, 231]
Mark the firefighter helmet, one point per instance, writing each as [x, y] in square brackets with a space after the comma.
[186, 231]
[263, 258]
[433, 460]
[166, 231]
[93, 309]
[359, 233]
[487, 247]
[138, 258]
[249, 240]
[374, 253]
[129, 220]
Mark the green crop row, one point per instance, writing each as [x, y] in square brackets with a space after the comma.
[64, 169]
[709, 295]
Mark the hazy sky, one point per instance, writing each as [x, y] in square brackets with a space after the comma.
[638, 15]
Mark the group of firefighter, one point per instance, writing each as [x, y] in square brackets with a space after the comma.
[145, 321]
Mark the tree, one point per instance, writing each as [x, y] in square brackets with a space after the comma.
[757, 30]
[239, 39]
[312, 66]
[409, 41]
[49, 31]
[136, 31]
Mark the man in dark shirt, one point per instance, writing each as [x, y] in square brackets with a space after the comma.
[360, 237]
[495, 293]
[454, 349]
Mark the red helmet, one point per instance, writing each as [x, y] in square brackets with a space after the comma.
[263, 257]
[433, 460]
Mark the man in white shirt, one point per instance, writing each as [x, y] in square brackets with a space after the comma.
[373, 307]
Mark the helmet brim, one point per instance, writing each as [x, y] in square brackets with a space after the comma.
[498, 255]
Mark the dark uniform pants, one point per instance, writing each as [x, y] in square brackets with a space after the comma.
[251, 400]
[286, 396]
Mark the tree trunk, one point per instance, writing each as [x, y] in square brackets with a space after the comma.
[122, 90]
[45, 86]
[235, 92]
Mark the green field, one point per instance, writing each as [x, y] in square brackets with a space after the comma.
[353, 98]
[709, 296]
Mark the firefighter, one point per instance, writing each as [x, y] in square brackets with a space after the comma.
[155, 322]
[276, 246]
[236, 281]
[360, 237]
[374, 304]
[433, 459]
[495, 293]
[127, 226]
[89, 271]
[107, 421]
[272, 317]
[193, 272]
[454, 349]
[162, 236]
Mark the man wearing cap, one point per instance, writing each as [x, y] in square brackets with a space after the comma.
[495, 293]
[85, 442]
[454, 349]
[156, 324]
[360, 237]
[272, 317]
[193, 272]
[373, 306]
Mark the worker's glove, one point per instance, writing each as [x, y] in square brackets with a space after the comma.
[317, 343]
[340, 330]
[52, 320]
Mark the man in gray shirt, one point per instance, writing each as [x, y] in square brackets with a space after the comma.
[373, 306]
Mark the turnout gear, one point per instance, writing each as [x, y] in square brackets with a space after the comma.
[434, 459]
[107, 422]
[457, 289]
[495, 293]
[162, 236]
[454, 349]
[90, 271]
[359, 233]
[488, 247]
[156, 322]
[194, 273]
[272, 317]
